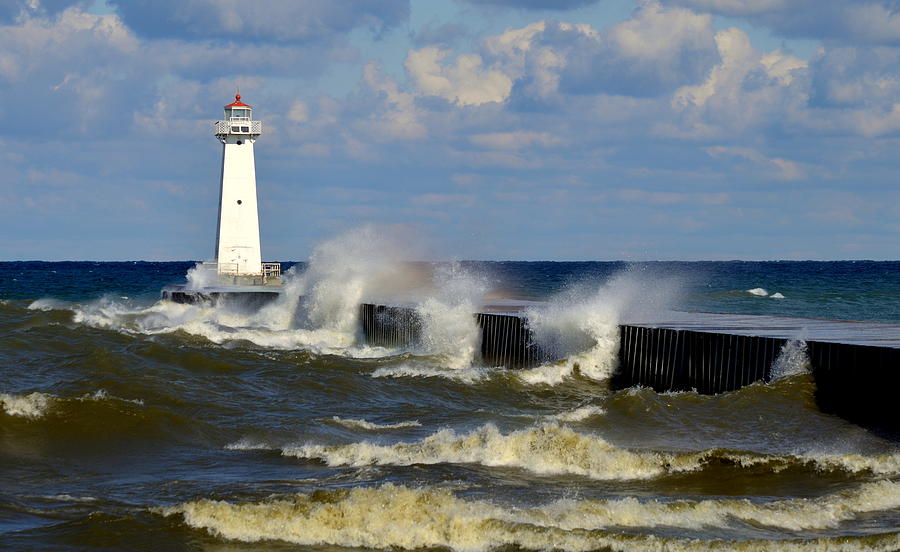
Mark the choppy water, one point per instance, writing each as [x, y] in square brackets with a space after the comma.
[131, 424]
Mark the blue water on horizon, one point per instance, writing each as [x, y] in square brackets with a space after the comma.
[845, 290]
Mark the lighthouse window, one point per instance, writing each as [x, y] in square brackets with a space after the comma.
[239, 114]
[245, 129]
[239, 142]
[235, 129]
[239, 202]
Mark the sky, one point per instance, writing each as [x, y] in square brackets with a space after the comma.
[490, 129]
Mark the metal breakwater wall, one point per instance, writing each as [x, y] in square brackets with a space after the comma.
[385, 326]
[506, 339]
[681, 360]
[858, 383]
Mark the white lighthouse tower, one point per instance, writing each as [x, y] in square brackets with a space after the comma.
[238, 256]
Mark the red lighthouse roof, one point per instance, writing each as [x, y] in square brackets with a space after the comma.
[237, 102]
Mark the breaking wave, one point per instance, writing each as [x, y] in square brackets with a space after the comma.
[582, 324]
[793, 360]
[36, 405]
[467, 375]
[390, 516]
[318, 309]
[551, 449]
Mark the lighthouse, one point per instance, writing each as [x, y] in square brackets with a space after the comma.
[238, 257]
[237, 276]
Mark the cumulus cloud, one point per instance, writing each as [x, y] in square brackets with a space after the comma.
[855, 90]
[84, 71]
[866, 21]
[400, 118]
[465, 82]
[745, 89]
[852, 76]
[70, 68]
[655, 51]
[274, 20]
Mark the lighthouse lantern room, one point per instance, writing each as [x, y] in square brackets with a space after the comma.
[238, 256]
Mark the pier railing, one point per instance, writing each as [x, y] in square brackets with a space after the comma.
[229, 273]
[271, 270]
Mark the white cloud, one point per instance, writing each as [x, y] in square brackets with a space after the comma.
[659, 35]
[746, 89]
[654, 51]
[465, 82]
[400, 118]
[522, 54]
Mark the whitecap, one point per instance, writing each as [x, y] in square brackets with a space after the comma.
[579, 414]
[544, 449]
[468, 375]
[249, 443]
[48, 304]
[370, 426]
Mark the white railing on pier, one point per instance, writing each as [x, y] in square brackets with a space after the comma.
[271, 270]
[269, 273]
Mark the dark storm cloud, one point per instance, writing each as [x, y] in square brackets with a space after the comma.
[275, 20]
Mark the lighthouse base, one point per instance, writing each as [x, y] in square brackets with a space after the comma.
[246, 297]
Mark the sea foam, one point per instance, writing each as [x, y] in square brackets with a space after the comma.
[32, 406]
